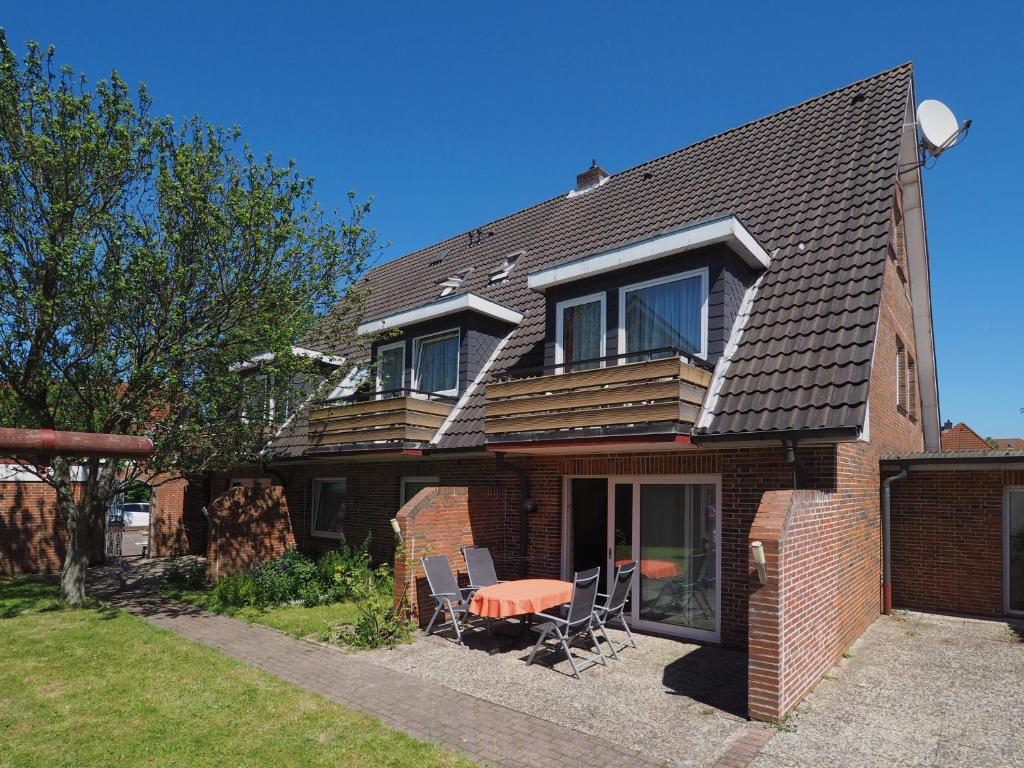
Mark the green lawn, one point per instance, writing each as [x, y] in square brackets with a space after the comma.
[295, 620]
[100, 687]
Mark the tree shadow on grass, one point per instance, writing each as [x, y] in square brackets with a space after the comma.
[21, 595]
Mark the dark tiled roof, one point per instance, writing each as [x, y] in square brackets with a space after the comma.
[814, 182]
[962, 437]
[976, 456]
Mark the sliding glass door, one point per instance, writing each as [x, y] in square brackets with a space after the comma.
[670, 526]
[677, 547]
[1014, 532]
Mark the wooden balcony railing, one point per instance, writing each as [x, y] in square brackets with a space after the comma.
[398, 416]
[665, 390]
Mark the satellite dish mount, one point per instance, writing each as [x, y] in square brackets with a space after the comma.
[939, 128]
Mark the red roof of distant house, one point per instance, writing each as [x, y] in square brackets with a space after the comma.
[960, 437]
[1009, 443]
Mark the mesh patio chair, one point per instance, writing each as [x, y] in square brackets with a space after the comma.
[578, 621]
[480, 567]
[684, 592]
[449, 596]
[615, 605]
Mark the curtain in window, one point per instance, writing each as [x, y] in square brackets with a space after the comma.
[330, 506]
[581, 334]
[391, 368]
[437, 364]
[665, 315]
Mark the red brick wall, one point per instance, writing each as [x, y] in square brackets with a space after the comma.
[436, 521]
[374, 491]
[33, 536]
[374, 495]
[178, 525]
[249, 526]
[890, 429]
[947, 539]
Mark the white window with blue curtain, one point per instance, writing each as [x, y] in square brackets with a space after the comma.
[436, 363]
[670, 312]
[390, 368]
[579, 331]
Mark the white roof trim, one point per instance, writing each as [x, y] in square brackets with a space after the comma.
[707, 412]
[266, 357]
[471, 388]
[727, 230]
[442, 308]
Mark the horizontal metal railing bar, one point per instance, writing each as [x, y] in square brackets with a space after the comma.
[644, 355]
[387, 394]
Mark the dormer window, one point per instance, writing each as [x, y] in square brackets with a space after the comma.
[390, 368]
[436, 363]
[580, 331]
[502, 271]
[670, 312]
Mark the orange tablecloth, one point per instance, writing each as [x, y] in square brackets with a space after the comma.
[655, 569]
[514, 598]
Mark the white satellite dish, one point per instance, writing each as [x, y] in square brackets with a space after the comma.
[939, 128]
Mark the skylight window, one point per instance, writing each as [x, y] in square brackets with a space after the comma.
[453, 283]
[502, 270]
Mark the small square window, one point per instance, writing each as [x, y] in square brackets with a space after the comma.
[330, 499]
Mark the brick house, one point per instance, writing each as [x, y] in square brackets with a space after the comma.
[661, 364]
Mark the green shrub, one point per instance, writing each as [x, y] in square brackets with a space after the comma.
[334, 578]
[380, 623]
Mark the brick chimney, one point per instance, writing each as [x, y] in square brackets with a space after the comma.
[591, 177]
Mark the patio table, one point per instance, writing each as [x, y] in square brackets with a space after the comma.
[524, 596]
[655, 569]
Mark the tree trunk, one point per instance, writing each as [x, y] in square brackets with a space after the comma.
[83, 516]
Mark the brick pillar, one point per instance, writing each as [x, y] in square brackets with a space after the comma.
[764, 622]
[436, 521]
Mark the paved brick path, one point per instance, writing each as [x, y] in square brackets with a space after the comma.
[483, 731]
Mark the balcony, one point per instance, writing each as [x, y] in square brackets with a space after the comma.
[614, 396]
[392, 419]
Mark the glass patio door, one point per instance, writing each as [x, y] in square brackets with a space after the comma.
[676, 543]
[670, 526]
[1014, 550]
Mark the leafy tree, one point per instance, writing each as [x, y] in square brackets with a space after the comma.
[140, 259]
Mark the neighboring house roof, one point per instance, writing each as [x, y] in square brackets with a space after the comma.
[814, 185]
[1009, 443]
[960, 437]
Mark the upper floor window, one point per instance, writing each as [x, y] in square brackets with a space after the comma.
[667, 312]
[911, 387]
[390, 367]
[580, 331]
[436, 363]
[901, 375]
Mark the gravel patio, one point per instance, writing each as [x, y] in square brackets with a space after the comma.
[676, 701]
[915, 690]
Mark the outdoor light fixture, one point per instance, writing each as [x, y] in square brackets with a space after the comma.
[757, 550]
[397, 529]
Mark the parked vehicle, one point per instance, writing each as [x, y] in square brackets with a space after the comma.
[134, 514]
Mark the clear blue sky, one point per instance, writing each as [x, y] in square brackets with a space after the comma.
[451, 115]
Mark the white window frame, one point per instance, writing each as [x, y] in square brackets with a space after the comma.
[1007, 492]
[702, 272]
[317, 482]
[387, 348]
[714, 636]
[457, 332]
[560, 330]
[403, 499]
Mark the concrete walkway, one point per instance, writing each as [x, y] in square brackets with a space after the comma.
[485, 732]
